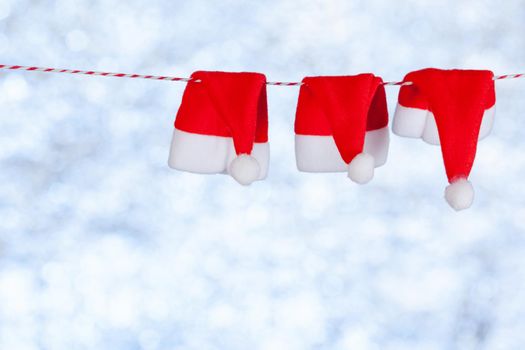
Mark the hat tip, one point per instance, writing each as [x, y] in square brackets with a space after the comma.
[244, 169]
[361, 168]
[460, 194]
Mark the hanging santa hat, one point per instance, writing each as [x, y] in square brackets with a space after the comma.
[453, 108]
[341, 125]
[222, 126]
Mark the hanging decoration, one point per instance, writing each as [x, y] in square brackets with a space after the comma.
[222, 126]
[342, 125]
[341, 122]
[448, 107]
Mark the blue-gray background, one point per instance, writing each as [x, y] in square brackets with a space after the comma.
[103, 247]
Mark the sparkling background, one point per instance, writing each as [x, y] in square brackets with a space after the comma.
[102, 246]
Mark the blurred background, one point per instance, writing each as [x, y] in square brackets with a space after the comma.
[102, 246]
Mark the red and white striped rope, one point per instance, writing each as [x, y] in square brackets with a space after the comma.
[397, 83]
[509, 76]
[103, 74]
[496, 77]
[284, 83]
[168, 78]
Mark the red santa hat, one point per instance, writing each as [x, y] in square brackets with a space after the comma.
[222, 126]
[341, 125]
[453, 108]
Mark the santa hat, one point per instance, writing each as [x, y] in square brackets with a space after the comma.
[453, 108]
[341, 125]
[222, 126]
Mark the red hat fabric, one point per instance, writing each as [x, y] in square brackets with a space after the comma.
[222, 126]
[458, 101]
[413, 117]
[341, 125]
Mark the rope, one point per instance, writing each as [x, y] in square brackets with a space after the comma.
[168, 78]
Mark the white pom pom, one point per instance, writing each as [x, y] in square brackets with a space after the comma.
[245, 169]
[460, 194]
[361, 168]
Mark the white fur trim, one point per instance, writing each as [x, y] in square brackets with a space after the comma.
[460, 194]
[420, 123]
[319, 154]
[361, 168]
[409, 122]
[205, 154]
[488, 122]
[430, 132]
